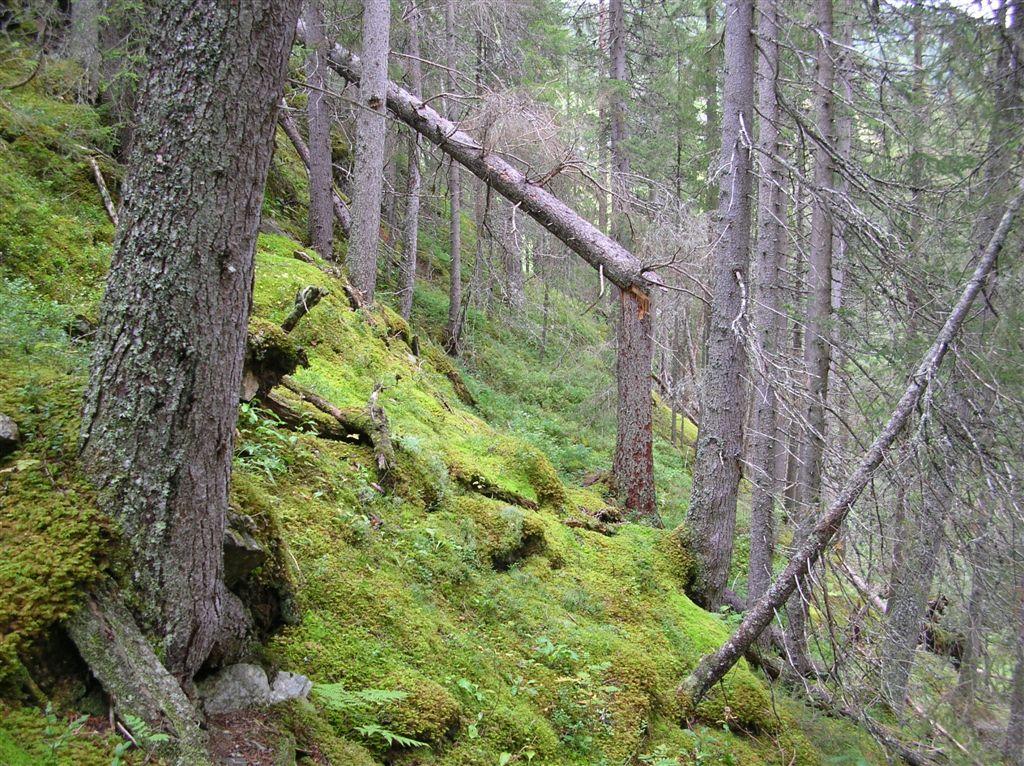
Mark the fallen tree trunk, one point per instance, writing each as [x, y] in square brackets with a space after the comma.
[821, 698]
[757, 617]
[371, 422]
[341, 214]
[582, 237]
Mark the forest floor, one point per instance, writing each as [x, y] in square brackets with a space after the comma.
[473, 607]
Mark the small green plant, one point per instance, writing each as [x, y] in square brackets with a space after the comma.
[555, 656]
[363, 707]
[264, 447]
[59, 731]
[141, 735]
[375, 731]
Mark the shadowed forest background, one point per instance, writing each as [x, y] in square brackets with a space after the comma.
[482, 383]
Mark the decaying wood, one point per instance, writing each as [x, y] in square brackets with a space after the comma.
[350, 428]
[354, 299]
[714, 666]
[341, 212]
[108, 203]
[306, 299]
[480, 484]
[371, 423]
[385, 451]
[582, 237]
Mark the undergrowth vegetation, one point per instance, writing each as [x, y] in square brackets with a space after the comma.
[439, 625]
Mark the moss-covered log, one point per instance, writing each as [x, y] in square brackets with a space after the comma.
[305, 300]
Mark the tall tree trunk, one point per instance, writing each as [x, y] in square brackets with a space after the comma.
[633, 463]
[453, 331]
[766, 329]
[321, 172]
[919, 538]
[162, 400]
[410, 237]
[711, 520]
[967, 678]
[817, 348]
[602, 122]
[759, 614]
[341, 212]
[370, 134]
[617, 133]
[514, 288]
[84, 44]
[712, 133]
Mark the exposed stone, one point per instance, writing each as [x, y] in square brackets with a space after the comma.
[9, 435]
[289, 686]
[242, 686]
[236, 687]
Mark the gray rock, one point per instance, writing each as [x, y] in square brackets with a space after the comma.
[289, 686]
[242, 686]
[234, 688]
[9, 435]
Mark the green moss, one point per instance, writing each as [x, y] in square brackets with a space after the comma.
[28, 737]
[428, 713]
[313, 733]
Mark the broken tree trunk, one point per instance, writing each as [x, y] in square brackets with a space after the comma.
[306, 299]
[341, 214]
[714, 666]
[600, 251]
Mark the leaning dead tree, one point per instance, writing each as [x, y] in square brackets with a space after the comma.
[714, 666]
[613, 261]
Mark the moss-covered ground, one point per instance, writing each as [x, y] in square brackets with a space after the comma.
[487, 631]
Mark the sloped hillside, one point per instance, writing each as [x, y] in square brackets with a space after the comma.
[470, 605]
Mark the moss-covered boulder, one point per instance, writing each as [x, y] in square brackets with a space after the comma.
[428, 712]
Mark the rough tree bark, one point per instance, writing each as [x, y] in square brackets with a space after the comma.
[711, 521]
[321, 171]
[757, 617]
[369, 149]
[453, 330]
[410, 234]
[817, 349]
[633, 466]
[766, 327]
[341, 212]
[160, 408]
